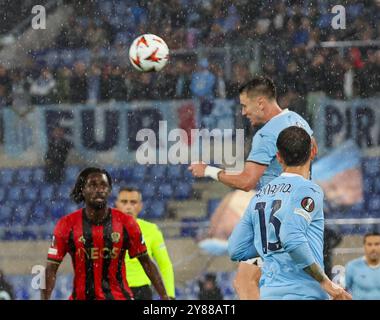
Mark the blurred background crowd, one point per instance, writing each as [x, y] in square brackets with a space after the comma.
[88, 61]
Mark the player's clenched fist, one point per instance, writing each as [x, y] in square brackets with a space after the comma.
[198, 169]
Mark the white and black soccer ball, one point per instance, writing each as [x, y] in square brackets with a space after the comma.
[148, 53]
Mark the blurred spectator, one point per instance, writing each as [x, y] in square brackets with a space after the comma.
[5, 87]
[105, 83]
[56, 155]
[240, 75]
[334, 76]
[78, 83]
[6, 290]
[43, 88]
[118, 90]
[93, 83]
[63, 94]
[95, 36]
[21, 99]
[220, 84]
[209, 289]
[183, 80]
[368, 78]
[203, 81]
[362, 275]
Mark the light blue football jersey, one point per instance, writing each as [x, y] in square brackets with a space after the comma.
[286, 213]
[362, 281]
[264, 148]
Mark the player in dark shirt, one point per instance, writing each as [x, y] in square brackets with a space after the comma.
[97, 238]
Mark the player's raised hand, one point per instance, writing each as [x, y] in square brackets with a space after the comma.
[198, 169]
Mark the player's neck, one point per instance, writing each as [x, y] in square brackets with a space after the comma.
[373, 263]
[96, 216]
[303, 171]
[274, 110]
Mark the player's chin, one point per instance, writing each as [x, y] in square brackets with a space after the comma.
[96, 204]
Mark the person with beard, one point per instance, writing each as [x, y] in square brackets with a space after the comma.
[363, 274]
[97, 238]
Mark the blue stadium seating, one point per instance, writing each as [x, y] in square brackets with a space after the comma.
[165, 191]
[7, 176]
[15, 193]
[139, 172]
[182, 191]
[38, 176]
[148, 190]
[175, 172]
[47, 192]
[3, 193]
[158, 172]
[5, 214]
[24, 176]
[157, 209]
[38, 215]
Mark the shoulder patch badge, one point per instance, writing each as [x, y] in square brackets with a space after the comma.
[308, 204]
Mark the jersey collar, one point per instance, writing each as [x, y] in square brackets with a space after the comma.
[288, 174]
[281, 113]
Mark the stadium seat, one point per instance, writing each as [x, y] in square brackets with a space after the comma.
[126, 174]
[189, 227]
[157, 210]
[174, 172]
[5, 214]
[374, 204]
[38, 176]
[3, 193]
[148, 190]
[24, 176]
[57, 210]
[15, 193]
[165, 191]
[20, 215]
[157, 172]
[63, 192]
[139, 172]
[38, 215]
[371, 167]
[31, 194]
[47, 192]
[187, 175]
[72, 174]
[7, 176]
[182, 191]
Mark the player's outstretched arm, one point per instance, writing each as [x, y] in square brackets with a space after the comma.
[50, 277]
[153, 274]
[246, 181]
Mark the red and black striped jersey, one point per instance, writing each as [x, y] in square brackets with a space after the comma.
[97, 252]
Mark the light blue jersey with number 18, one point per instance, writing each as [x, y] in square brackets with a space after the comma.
[285, 215]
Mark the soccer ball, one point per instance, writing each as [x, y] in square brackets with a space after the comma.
[148, 53]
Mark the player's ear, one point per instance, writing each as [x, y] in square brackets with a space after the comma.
[261, 101]
[314, 148]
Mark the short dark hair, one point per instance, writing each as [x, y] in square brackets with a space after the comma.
[131, 189]
[259, 85]
[76, 194]
[371, 234]
[294, 145]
